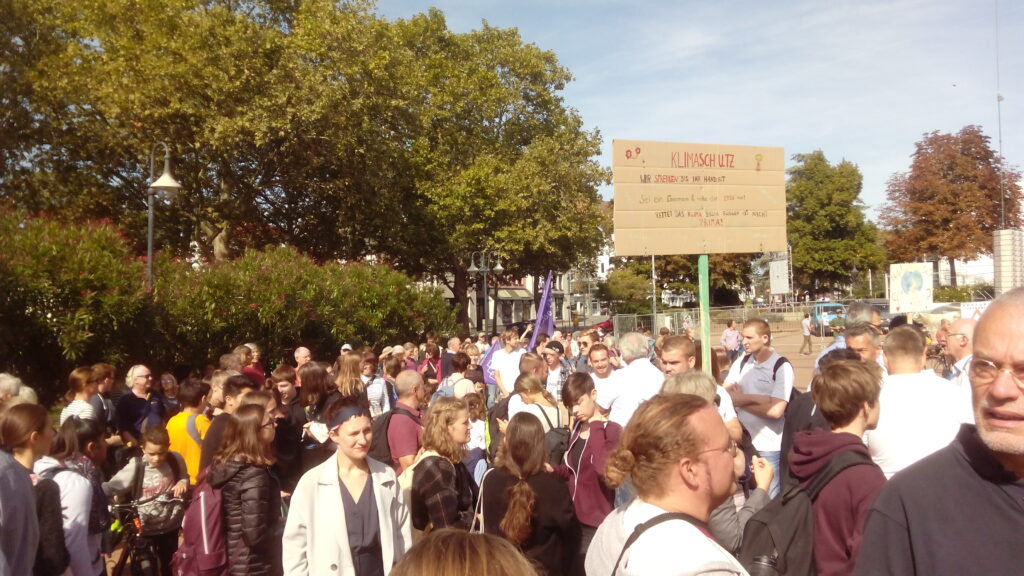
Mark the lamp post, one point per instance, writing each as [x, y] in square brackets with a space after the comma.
[165, 183]
[488, 262]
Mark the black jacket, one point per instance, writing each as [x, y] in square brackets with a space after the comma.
[251, 498]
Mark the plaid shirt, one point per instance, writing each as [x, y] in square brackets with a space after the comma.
[443, 495]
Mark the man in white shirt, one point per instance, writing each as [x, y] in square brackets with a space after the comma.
[633, 384]
[920, 411]
[760, 385]
[505, 362]
[695, 477]
[679, 355]
[960, 347]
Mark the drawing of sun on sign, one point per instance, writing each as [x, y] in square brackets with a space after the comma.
[679, 198]
[910, 288]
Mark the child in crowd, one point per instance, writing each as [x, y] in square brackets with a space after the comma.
[158, 477]
[187, 428]
[476, 450]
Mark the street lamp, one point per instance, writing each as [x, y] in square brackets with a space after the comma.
[165, 183]
[488, 262]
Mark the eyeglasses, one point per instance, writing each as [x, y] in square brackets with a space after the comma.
[731, 449]
[985, 372]
[964, 336]
[146, 376]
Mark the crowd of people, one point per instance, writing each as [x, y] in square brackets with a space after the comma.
[545, 454]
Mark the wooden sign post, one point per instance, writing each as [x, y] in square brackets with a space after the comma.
[685, 198]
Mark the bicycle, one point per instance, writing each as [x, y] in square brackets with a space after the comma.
[137, 548]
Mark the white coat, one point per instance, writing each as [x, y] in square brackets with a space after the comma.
[315, 541]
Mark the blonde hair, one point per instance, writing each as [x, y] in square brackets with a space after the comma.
[451, 552]
[657, 437]
[527, 383]
[443, 414]
[691, 382]
[350, 370]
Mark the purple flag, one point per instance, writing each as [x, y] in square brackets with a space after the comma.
[485, 364]
[545, 319]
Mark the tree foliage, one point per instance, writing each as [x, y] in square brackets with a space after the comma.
[948, 204]
[315, 124]
[627, 291]
[826, 226]
[73, 294]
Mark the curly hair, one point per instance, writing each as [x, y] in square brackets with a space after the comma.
[657, 437]
[436, 437]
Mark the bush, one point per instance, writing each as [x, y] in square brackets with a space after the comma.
[73, 295]
[282, 300]
[69, 294]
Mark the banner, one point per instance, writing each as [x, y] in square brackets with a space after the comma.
[910, 287]
[545, 319]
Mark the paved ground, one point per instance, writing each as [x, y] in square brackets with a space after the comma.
[788, 344]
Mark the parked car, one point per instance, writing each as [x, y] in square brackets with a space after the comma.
[822, 314]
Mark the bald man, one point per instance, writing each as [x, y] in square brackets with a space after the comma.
[960, 348]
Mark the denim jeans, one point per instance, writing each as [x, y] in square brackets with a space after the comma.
[775, 458]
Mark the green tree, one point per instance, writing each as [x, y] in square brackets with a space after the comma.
[314, 124]
[627, 291]
[948, 205]
[729, 273]
[826, 226]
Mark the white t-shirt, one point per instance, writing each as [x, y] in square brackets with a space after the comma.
[477, 435]
[648, 555]
[79, 408]
[539, 411]
[507, 365]
[756, 377]
[632, 385]
[726, 409]
[805, 324]
[921, 413]
[963, 386]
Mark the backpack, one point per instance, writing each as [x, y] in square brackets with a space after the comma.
[793, 393]
[497, 412]
[784, 529]
[380, 448]
[204, 543]
[556, 439]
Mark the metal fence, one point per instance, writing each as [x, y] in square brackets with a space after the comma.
[784, 318]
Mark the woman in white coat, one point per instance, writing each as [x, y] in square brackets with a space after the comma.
[347, 516]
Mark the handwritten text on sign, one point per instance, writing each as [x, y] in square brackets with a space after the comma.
[698, 198]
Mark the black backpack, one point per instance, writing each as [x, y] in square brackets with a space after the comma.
[497, 412]
[556, 439]
[784, 529]
[380, 449]
[793, 393]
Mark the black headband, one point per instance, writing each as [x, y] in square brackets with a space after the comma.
[346, 414]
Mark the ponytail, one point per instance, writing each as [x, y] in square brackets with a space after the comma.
[516, 524]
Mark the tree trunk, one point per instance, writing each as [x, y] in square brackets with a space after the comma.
[952, 272]
[462, 300]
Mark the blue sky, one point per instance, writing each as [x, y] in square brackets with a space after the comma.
[860, 80]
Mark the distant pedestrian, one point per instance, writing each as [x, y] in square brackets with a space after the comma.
[805, 327]
[731, 340]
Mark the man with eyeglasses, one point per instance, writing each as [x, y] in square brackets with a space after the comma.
[959, 347]
[959, 510]
[856, 312]
[140, 408]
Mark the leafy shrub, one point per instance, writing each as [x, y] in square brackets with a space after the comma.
[73, 294]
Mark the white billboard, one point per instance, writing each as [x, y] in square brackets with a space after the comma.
[910, 287]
